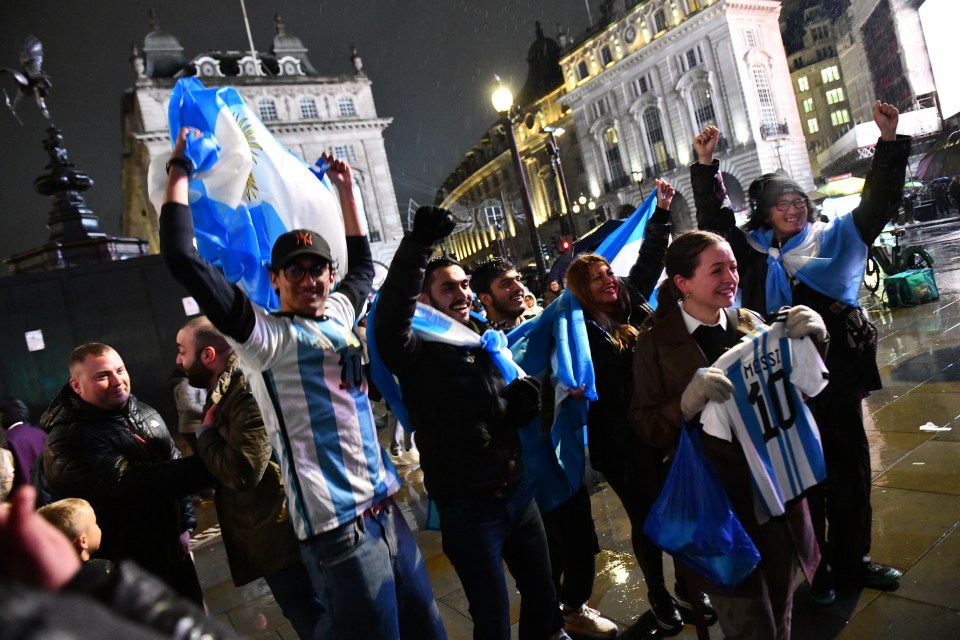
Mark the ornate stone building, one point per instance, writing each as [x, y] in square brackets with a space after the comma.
[307, 112]
[657, 72]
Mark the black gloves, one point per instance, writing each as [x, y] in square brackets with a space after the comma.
[522, 397]
[431, 224]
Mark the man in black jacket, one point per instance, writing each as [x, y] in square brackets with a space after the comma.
[115, 452]
[466, 418]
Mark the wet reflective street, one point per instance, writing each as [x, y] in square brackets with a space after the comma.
[916, 501]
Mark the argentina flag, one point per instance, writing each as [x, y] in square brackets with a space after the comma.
[246, 188]
[554, 347]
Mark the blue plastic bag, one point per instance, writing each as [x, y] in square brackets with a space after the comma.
[693, 521]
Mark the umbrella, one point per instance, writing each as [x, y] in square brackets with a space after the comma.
[589, 242]
[942, 160]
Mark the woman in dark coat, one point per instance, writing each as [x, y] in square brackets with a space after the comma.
[614, 309]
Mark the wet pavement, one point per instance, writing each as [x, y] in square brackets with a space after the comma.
[916, 501]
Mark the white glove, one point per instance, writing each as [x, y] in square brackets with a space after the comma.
[804, 321]
[708, 383]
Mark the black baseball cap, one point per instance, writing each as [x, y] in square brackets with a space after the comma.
[296, 243]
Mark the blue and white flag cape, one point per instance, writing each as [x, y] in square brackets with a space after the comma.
[431, 325]
[554, 347]
[246, 188]
[826, 256]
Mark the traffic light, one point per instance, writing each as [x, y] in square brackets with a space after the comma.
[564, 244]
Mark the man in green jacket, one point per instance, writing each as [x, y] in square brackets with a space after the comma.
[233, 444]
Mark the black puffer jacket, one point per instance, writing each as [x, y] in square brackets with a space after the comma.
[467, 446]
[125, 465]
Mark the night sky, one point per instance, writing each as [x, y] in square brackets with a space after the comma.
[431, 63]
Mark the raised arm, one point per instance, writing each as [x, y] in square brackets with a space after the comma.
[358, 279]
[883, 188]
[714, 212]
[645, 272]
[225, 304]
[393, 321]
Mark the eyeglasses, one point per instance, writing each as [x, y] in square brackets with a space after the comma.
[296, 272]
[799, 203]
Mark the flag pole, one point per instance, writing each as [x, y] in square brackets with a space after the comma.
[246, 22]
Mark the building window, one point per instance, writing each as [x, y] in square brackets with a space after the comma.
[830, 74]
[583, 72]
[605, 56]
[344, 152]
[807, 105]
[660, 21]
[840, 116]
[835, 95]
[658, 147]
[751, 37]
[820, 33]
[812, 125]
[308, 108]
[268, 109]
[694, 57]
[611, 147]
[347, 108]
[703, 106]
[803, 84]
[599, 108]
[768, 111]
[640, 86]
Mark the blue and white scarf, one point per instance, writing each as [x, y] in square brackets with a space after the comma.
[431, 325]
[826, 256]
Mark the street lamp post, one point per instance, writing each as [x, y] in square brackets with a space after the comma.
[554, 152]
[503, 102]
[639, 176]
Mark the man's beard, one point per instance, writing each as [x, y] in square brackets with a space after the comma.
[198, 376]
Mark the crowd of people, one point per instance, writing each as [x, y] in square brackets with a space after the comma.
[286, 438]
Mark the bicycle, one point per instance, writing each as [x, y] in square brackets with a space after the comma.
[895, 261]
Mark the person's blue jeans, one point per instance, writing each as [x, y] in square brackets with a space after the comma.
[479, 535]
[298, 601]
[372, 580]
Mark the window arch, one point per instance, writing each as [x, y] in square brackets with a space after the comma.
[582, 70]
[268, 109]
[768, 111]
[611, 149]
[701, 98]
[655, 139]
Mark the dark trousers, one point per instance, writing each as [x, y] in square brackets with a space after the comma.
[293, 591]
[573, 544]
[479, 535]
[637, 483]
[844, 500]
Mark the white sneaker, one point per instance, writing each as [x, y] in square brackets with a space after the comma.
[587, 622]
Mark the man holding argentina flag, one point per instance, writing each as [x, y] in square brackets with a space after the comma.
[303, 363]
[466, 399]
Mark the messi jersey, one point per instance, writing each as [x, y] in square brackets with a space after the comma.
[767, 413]
[305, 374]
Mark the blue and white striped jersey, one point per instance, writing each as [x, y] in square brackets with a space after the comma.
[313, 398]
[767, 413]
